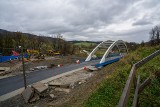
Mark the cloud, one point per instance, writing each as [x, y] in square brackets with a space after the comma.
[82, 20]
[141, 22]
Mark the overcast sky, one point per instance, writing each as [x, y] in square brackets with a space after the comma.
[96, 20]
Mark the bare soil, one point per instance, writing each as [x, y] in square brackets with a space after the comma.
[81, 93]
[16, 65]
[75, 98]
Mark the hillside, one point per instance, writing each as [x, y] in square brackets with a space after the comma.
[4, 33]
[11, 40]
[109, 91]
[85, 44]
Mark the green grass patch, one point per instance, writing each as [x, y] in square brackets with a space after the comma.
[85, 44]
[110, 90]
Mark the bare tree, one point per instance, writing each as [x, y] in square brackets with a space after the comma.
[157, 29]
[155, 35]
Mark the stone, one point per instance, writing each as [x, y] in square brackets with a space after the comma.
[59, 84]
[44, 67]
[31, 69]
[55, 83]
[40, 67]
[63, 90]
[37, 68]
[52, 96]
[90, 75]
[81, 82]
[72, 85]
[2, 73]
[5, 68]
[34, 98]
[28, 94]
[39, 87]
[92, 68]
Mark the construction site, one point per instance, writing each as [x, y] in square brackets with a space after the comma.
[57, 77]
[68, 75]
[33, 60]
[79, 53]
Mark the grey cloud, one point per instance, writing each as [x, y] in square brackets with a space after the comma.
[141, 22]
[81, 19]
[90, 12]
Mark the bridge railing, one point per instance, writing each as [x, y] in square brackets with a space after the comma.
[132, 80]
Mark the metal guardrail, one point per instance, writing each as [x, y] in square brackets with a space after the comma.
[132, 79]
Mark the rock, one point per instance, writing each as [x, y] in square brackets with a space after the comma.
[90, 75]
[5, 68]
[92, 68]
[31, 69]
[39, 87]
[44, 67]
[28, 94]
[40, 67]
[52, 96]
[2, 73]
[81, 82]
[72, 85]
[59, 84]
[63, 89]
[55, 83]
[34, 98]
[37, 68]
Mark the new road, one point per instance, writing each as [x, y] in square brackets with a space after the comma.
[13, 83]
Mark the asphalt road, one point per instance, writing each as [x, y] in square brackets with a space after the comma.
[13, 83]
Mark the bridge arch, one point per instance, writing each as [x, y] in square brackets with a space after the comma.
[109, 45]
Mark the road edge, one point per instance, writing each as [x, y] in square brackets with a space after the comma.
[19, 91]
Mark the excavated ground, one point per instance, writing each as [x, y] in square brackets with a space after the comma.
[16, 66]
[77, 95]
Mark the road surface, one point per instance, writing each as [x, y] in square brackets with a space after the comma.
[13, 83]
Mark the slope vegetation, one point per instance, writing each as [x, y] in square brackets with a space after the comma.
[110, 90]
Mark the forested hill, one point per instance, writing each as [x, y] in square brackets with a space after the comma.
[4, 33]
[10, 39]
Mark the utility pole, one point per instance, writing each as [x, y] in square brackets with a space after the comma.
[24, 74]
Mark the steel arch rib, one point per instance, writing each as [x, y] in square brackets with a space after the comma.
[115, 43]
[110, 48]
[94, 50]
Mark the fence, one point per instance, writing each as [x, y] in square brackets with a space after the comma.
[132, 80]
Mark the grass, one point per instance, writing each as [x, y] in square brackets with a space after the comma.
[85, 44]
[110, 90]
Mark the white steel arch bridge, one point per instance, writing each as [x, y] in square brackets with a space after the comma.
[108, 45]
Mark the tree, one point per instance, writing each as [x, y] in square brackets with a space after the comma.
[142, 43]
[12, 40]
[152, 36]
[155, 35]
[157, 29]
